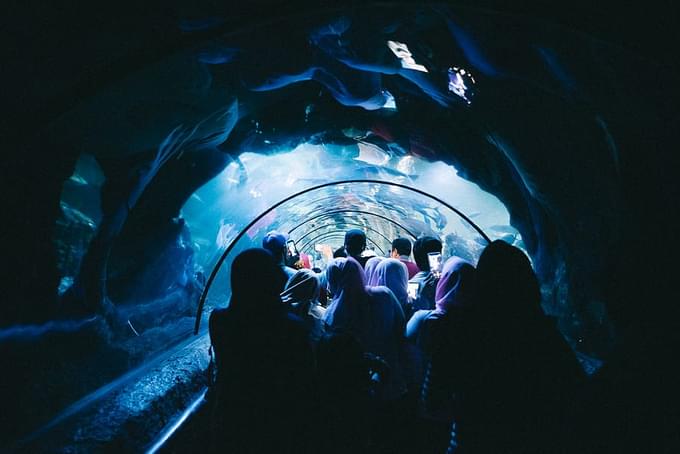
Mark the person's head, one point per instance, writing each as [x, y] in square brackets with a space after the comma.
[401, 246]
[275, 243]
[301, 290]
[456, 286]
[394, 275]
[345, 275]
[340, 253]
[256, 281]
[505, 280]
[423, 246]
[346, 283]
[369, 269]
[355, 242]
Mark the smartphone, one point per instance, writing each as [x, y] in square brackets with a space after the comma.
[412, 290]
[435, 261]
[292, 250]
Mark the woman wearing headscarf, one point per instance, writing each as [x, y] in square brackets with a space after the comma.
[369, 270]
[393, 274]
[522, 375]
[432, 349]
[302, 295]
[263, 360]
[372, 314]
[455, 289]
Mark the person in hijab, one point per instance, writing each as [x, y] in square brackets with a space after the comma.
[264, 363]
[372, 314]
[302, 295]
[432, 354]
[520, 376]
[393, 274]
[346, 409]
[369, 270]
[427, 329]
[454, 289]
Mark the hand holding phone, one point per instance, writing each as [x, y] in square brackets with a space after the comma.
[412, 290]
[292, 250]
[435, 261]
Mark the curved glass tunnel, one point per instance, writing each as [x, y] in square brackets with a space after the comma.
[527, 137]
[315, 219]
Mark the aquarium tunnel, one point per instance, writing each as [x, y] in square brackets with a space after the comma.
[401, 120]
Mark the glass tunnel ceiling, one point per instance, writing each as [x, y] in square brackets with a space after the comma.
[248, 187]
[254, 185]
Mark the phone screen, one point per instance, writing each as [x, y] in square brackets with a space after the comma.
[412, 290]
[291, 247]
[435, 261]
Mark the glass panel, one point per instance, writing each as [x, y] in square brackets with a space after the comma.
[320, 217]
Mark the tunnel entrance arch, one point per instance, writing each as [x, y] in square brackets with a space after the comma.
[251, 224]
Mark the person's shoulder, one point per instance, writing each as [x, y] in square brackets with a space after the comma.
[421, 276]
[290, 272]
[380, 292]
[420, 316]
[377, 289]
[317, 311]
[218, 315]
[218, 322]
[433, 318]
[410, 265]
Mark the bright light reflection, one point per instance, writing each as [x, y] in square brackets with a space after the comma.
[402, 53]
[457, 83]
[406, 165]
[372, 154]
[390, 103]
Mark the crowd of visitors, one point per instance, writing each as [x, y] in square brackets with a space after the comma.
[399, 357]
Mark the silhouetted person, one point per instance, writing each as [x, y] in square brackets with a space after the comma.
[302, 295]
[372, 314]
[520, 375]
[393, 274]
[355, 244]
[632, 403]
[340, 253]
[426, 280]
[369, 270]
[275, 243]
[434, 340]
[401, 250]
[346, 412]
[264, 385]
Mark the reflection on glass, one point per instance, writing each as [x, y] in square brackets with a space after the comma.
[402, 53]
